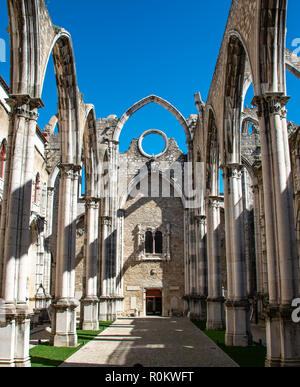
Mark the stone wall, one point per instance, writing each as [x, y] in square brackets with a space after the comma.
[143, 271]
[168, 275]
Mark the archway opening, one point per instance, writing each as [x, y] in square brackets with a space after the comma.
[149, 117]
[49, 97]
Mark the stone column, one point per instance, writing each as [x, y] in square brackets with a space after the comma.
[192, 264]
[106, 313]
[201, 268]
[237, 304]
[283, 336]
[15, 232]
[50, 209]
[64, 306]
[258, 253]
[187, 284]
[120, 260]
[215, 300]
[90, 302]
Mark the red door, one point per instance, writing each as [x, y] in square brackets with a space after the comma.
[154, 302]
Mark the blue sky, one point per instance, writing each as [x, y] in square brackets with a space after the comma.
[126, 50]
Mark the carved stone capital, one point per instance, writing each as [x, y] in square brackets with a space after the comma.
[91, 203]
[213, 202]
[271, 104]
[201, 220]
[66, 170]
[50, 191]
[233, 171]
[243, 304]
[25, 106]
[121, 213]
[106, 220]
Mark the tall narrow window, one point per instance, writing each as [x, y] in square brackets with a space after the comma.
[36, 187]
[149, 242]
[158, 243]
[2, 158]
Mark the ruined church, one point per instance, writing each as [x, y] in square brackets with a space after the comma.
[152, 234]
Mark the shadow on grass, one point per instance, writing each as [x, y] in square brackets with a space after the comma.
[45, 355]
[252, 356]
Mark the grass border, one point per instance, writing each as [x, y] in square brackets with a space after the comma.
[253, 356]
[45, 355]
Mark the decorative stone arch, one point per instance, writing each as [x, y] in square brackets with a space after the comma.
[146, 101]
[248, 166]
[53, 176]
[212, 163]
[249, 120]
[90, 153]
[68, 96]
[237, 69]
[33, 38]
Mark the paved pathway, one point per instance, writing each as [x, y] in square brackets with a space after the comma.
[151, 342]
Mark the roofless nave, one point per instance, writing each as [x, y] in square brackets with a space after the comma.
[119, 250]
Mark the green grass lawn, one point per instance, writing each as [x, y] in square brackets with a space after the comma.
[47, 356]
[253, 356]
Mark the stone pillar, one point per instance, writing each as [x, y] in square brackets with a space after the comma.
[64, 306]
[186, 264]
[202, 289]
[48, 269]
[237, 304]
[258, 254]
[120, 260]
[283, 336]
[192, 264]
[215, 300]
[90, 302]
[15, 232]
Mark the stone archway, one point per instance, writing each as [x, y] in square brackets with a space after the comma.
[146, 101]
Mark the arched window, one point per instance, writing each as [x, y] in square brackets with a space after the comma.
[149, 242]
[2, 158]
[158, 242]
[36, 187]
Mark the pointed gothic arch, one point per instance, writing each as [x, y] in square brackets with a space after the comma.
[146, 101]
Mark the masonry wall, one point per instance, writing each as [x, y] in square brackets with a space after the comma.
[155, 213]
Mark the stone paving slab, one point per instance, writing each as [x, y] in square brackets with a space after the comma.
[151, 342]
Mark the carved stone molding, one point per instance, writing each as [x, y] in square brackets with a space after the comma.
[233, 171]
[25, 106]
[50, 191]
[213, 202]
[66, 170]
[201, 220]
[106, 221]
[271, 104]
[92, 203]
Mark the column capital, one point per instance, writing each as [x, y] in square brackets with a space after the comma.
[232, 170]
[66, 170]
[24, 106]
[69, 170]
[50, 191]
[272, 103]
[91, 202]
[201, 219]
[121, 213]
[214, 201]
[106, 220]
